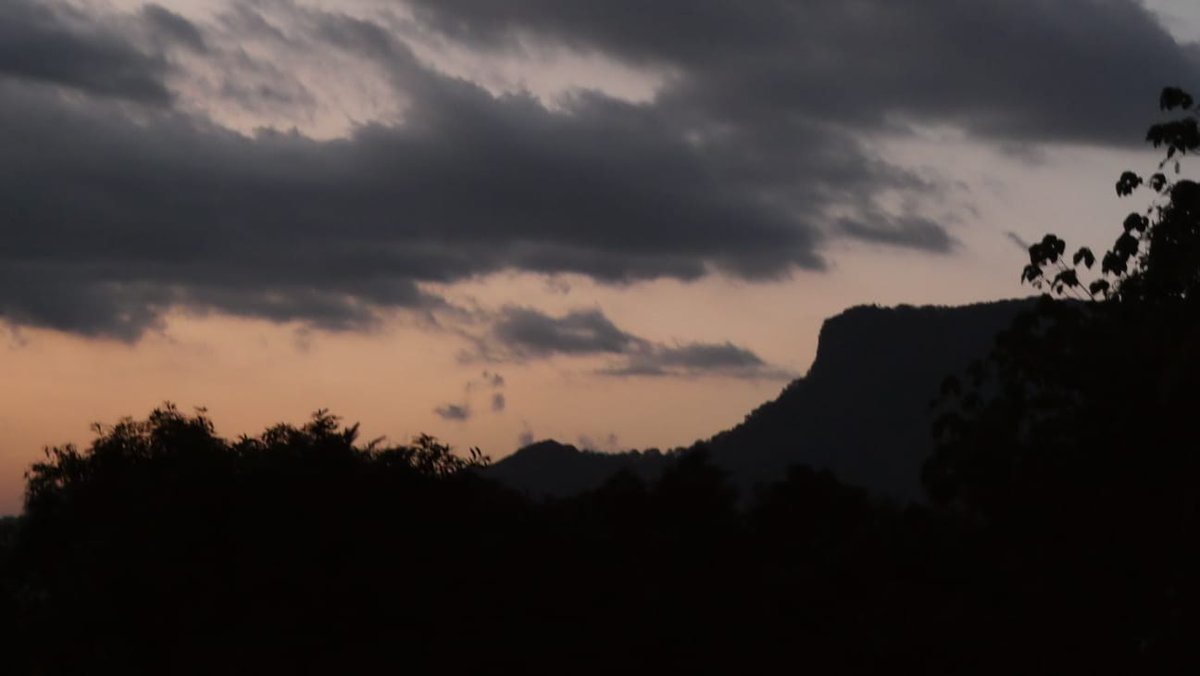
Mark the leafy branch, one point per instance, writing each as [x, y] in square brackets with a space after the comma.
[1124, 264]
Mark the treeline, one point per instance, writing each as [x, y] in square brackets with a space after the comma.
[164, 548]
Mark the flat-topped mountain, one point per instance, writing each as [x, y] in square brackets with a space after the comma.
[862, 410]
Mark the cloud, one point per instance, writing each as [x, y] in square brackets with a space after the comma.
[692, 359]
[529, 332]
[116, 219]
[174, 27]
[122, 204]
[522, 333]
[1007, 69]
[455, 412]
[909, 232]
[1018, 240]
[464, 411]
[525, 438]
[55, 43]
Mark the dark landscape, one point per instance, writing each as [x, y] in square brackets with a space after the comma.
[1053, 438]
[613, 221]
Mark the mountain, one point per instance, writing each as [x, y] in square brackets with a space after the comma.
[548, 468]
[862, 411]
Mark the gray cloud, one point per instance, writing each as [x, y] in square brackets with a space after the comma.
[906, 231]
[119, 208]
[526, 333]
[1018, 240]
[692, 359]
[464, 411]
[174, 27]
[1010, 69]
[131, 217]
[51, 42]
[455, 412]
[529, 332]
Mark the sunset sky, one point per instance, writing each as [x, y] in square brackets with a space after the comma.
[618, 224]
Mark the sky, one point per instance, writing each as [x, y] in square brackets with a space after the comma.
[616, 224]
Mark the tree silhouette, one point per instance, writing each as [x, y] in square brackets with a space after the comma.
[1072, 442]
[1156, 256]
[161, 539]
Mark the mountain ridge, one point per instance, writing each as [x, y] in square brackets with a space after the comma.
[862, 410]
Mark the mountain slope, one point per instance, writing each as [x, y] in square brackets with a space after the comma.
[862, 410]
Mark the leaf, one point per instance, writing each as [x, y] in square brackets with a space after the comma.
[1136, 222]
[1174, 97]
[1049, 249]
[1114, 264]
[1158, 182]
[1084, 254]
[1128, 182]
[1126, 246]
[1066, 278]
[1183, 135]
[1100, 286]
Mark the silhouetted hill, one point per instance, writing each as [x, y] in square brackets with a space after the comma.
[862, 411]
[548, 468]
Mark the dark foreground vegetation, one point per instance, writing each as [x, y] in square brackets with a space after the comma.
[1061, 534]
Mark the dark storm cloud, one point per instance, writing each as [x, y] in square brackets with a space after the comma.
[115, 219]
[1013, 69]
[58, 44]
[131, 217]
[525, 333]
[167, 211]
[757, 150]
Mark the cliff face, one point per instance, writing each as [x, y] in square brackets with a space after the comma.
[862, 411]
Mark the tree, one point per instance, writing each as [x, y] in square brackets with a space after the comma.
[1156, 256]
[162, 538]
[1073, 442]
[1117, 355]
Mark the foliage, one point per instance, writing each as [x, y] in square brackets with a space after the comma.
[1113, 370]
[1156, 256]
[1072, 443]
[183, 452]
